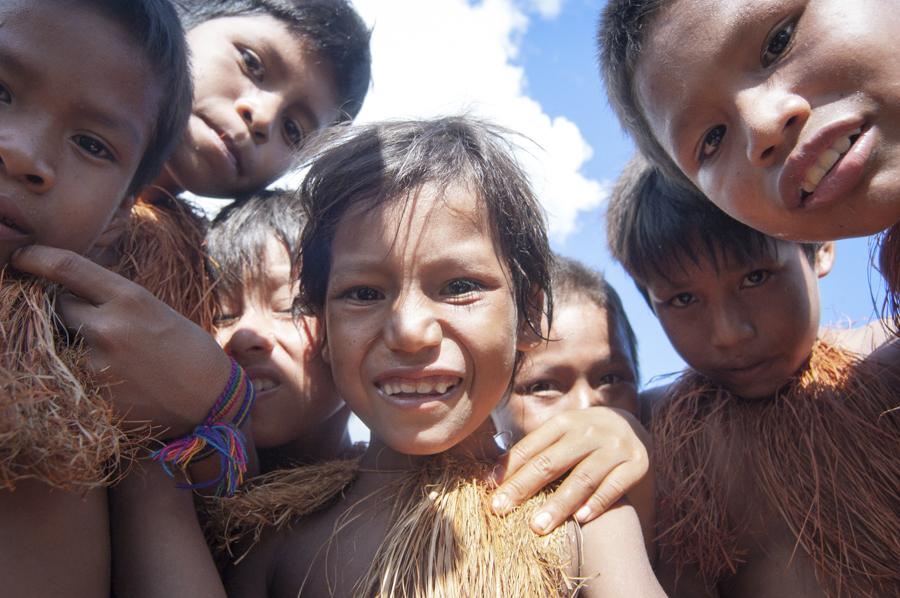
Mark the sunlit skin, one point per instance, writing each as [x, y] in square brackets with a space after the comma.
[586, 364]
[747, 96]
[749, 327]
[295, 396]
[404, 307]
[76, 112]
[258, 93]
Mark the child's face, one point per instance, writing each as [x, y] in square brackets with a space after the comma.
[293, 384]
[749, 328]
[420, 318]
[258, 92]
[77, 105]
[588, 363]
[757, 101]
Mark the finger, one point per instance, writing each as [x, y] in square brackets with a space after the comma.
[530, 446]
[76, 273]
[541, 469]
[577, 492]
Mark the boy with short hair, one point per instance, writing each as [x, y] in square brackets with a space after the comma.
[786, 115]
[745, 439]
[94, 96]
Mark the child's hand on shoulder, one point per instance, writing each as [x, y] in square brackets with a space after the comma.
[160, 367]
[605, 449]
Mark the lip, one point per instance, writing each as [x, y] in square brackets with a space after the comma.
[254, 372]
[224, 142]
[842, 177]
[746, 370]
[10, 211]
[423, 402]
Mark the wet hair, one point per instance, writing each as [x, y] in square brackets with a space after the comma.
[620, 41]
[237, 237]
[573, 280]
[377, 164]
[154, 26]
[654, 224]
[330, 28]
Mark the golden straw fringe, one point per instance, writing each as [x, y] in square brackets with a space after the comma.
[889, 266]
[824, 458]
[56, 425]
[445, 541]
[162, 250]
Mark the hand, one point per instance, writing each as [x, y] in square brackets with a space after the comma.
[605, 448]
[159, 366]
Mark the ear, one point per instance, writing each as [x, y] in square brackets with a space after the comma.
[825, 259]
[527, 338]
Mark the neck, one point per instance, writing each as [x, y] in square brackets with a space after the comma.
[330, 440]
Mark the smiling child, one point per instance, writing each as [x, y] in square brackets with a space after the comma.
[423, 338]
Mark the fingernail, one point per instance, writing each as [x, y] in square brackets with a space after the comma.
[583, 513]
[500, 503]
[497, 474]
[542, 521]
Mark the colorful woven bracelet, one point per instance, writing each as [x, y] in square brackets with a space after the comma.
[215, 436]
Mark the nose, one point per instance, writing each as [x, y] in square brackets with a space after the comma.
[259, 112]
[27, 159]
[731, 326]
[412, 326]
[772, 118]
[583, 396]
[252, 336]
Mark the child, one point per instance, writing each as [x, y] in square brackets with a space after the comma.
[267, 74]
[423, 338]
[88, 119]
[590, 359]
[776, 453]
[787, 117]
[298, 417]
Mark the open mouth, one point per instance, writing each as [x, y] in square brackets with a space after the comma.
[424, 388]
[263, 384]
[826, 162]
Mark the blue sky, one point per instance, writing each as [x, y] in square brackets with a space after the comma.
[529, 64]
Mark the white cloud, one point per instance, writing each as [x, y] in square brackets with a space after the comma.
[446, 56]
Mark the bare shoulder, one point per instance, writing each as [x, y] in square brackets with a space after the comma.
[614, 560]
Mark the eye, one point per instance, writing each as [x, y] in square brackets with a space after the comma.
[293, 132]
[363, 294]
[777, 43]
[712, 141]
[682, 300]
[252, 63]
[541, 388]
[755, 278]
[93, 147]
[5, 96]
[611, 379]
[225, 320]
[460, 287]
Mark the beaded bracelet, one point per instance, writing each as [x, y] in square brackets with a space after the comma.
[214, 436]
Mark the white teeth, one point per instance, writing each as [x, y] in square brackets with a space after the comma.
[422, 387]
[826, 162]
[261, 384]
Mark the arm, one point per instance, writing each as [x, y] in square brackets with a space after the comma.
[158, 546]
[606, 451]
[614, 560]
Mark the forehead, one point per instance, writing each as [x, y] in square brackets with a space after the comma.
[81, 63]
[416, 229]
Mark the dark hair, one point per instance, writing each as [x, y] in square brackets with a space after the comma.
[376, 164]
[331, 28]
[572, 279]
[653, 224]
[153, 25]
[236, 240]
[620, 40]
